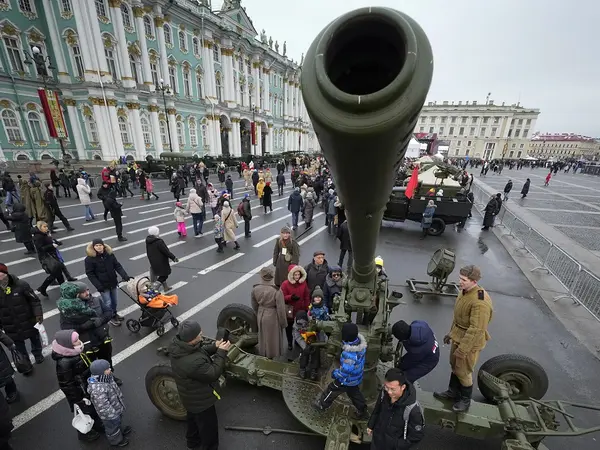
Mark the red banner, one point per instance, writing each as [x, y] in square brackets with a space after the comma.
[53, 113]
[412, 183]
[253, 131]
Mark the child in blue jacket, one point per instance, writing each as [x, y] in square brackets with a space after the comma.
[349, 375]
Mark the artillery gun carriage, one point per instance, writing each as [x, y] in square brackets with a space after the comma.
[364, 81]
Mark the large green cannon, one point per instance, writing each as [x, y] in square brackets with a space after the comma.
[364, 81]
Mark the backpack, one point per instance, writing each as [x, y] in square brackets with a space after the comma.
[240, 209]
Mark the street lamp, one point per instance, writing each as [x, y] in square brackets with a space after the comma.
[255, 109]
[165, 89]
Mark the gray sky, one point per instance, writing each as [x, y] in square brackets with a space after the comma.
[545, 53]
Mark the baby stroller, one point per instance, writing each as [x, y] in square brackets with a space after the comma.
[155, 305]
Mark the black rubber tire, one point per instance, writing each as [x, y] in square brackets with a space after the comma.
[247, 315]
[133, 325]
[532, 378]
[160, 330]
[157, 372]
[437, 227]
[174, 322]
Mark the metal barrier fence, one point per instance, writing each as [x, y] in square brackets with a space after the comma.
[583, 287]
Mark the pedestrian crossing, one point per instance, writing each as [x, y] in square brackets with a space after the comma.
[201, 278]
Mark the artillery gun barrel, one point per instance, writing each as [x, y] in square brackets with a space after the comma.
[364, 81]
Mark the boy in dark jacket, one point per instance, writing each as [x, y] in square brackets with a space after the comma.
[348, 377]
[246, 209]
[280, 182]
[197, 368]
[310, 355]
[229, 186]
[52, 205]
[422, 349]
[397, 420]
[21, 226]
[111, 204]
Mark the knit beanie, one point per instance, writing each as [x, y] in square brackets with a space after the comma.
[349, 332]
[66, 338]
[97, 241]
[3, 268]
[401, 330]
[99, 366]
[189, 330]
[153, 231]
[317, 292]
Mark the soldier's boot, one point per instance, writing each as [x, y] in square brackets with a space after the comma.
[464, 402]
[302, 373]
[453, 391]
[314, 375]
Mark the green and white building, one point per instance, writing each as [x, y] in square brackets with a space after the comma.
[106, 59]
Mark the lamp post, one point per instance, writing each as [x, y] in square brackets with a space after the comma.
[40, 61]
[165, 89]
[300, 128]
[254, 110]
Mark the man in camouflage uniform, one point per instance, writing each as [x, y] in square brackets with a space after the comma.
[468, 335]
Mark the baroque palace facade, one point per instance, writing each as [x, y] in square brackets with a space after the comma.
[221, 81]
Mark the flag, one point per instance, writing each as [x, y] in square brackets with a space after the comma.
[53, 113]
[412, 183]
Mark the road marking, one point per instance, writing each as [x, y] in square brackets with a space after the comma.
[125, 209]
[51, 400]
[97, 201]
[143, 255]
[154, 210]
[220, 263]
[266, 241]
[19, 261]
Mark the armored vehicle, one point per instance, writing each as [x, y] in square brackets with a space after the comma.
[364, 81]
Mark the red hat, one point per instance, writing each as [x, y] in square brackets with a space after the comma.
[3, 268]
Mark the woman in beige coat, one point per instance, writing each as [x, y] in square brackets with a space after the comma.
[229, 225]
[268, 304]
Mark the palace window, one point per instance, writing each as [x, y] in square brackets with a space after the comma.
[100, 8]
[199, 86]
[111, 61]
[216, 53]
[249, 65]
[241, 64]
[148, 26]
[196, 44]
[182, 41]
[11, 126]
[91, 128]
[66, 6]
[26, 6]
[204, 136]
[180, 134]
[173, 79]
[219, 85]
[13, 48]
[187, 84]
[126, 16]
[193, 133]
[124, 130]
[243, 94]
[168, 34]
[146, 131]
[135, 72]
[163, 132]
[35, 125]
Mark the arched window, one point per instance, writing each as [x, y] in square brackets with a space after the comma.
[243, 93]
[193, 133]
[124, 130]
[182, 41]
[11, 126]
[146, 132]
[199, 85]
[163, 132]
[173, 78]
[180, 133]
[91, 129]
[65, 6]
[148, 29]
[216, 53]
[135, 72]
[168, 34]
[110, 52]
[196, 44]
[219, 85]
[22, 157]
[13, 48]
[100, 8]
[126, 16]
[77, 60]
[241, 63]
[204, 136]
[35, 125]
[154, 71]
[187, 81]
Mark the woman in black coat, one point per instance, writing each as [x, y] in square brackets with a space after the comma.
[159, 255]
[6, 372]
[268, 197]
[47, 254]
[21, 226]
[525, 189]
[490, 212]
[72, 371]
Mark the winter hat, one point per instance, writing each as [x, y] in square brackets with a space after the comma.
[99, 366]
[286, 229]
[153, 231]
[189, 330]
[178, 204]
[296, 189]
[401, 330]
[317, 292]
[246, 195]
[3, 268]
[80, 285]
[66, 338]
[318, 252]
[330, 191]
[266, 273]
[192, 191]
[69, 290]
[302, 315]
[226, 204]
[349, 332]
[97, 241]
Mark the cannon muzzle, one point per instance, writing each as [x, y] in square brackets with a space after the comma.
[364, 81]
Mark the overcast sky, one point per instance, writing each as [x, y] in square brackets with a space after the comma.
[543, 53]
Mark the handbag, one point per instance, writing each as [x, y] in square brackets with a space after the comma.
[22, 362]
[81, 422]
[51, 265]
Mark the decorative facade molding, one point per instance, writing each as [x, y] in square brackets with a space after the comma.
[115, 3]
[159, 21]
[153, 108]
[9, 29]
[69, 102]
[138, 11]
[132, 105]
[171, 111]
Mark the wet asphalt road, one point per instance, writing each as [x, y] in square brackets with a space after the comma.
[522, 324]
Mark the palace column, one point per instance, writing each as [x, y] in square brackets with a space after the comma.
[138, 12]
[75, 120]
[155, 123]
[119, 29]
[138, 135]
[172, 124]
[256, 79]
[285, 93]
[92, 28]
[227, 72]
[270, 139]
[85, 42]
[55, 39]
[266, 90]
[236, 143]
[107, 145]
[258, 131]
[208, 65]
[162, 48]
[216, 126]
[113, 119]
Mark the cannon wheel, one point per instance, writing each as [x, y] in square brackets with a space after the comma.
[437, 227]
[239, 320]
[520, 371]
[162, 390]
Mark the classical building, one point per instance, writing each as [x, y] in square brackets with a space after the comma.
[564, 146]
[106, 59]
[480, 130]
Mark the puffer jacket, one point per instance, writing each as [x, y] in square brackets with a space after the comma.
[179, 214]
[21, 224]
[194, 203]
[298, 290]
[6, 368]
[332, 287]
[196, 373]
[84, 192]
[352, 362]
[422, 351]
[19, 307]
[106, 396]
[101, 269]
[72, 373]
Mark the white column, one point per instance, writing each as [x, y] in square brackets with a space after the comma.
[104, 132]
[235, 143]
[285, 99]
[270, 139]
[256, 77]
[172, 124]
[59, 56]
[155, 123]
[258, 138]
[208, 65]
[216, 126]
[247, 95]
[138, 12]
[118, 27]
[230, 137]
[114, 125]
[86, 43]
[227, 73]
[75, 120]
[136, 125]
[93, 30]
[162, 48]
[267, 89]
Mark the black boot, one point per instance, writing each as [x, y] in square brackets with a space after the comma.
[453, 392]
[464, 402]
[68, 276]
